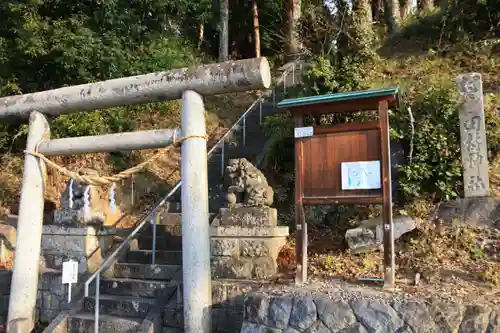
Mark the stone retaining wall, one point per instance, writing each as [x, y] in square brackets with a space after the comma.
[264, 313]
[228, 298]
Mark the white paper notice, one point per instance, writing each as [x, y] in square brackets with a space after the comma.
[70, 272]
[361, 175]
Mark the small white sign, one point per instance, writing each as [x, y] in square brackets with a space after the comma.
[70, 272]
[361, 175]
[304, 132]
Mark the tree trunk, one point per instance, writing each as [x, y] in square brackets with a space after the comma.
[224, 31]
[377, 10]
[293, 16]
[392, 15]
[405, 8]
[443, 5]
[201, 36]
[256, 29]
[362, 19]
[425, 4]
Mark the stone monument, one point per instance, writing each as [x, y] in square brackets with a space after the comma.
[473, 136]
[245, 236]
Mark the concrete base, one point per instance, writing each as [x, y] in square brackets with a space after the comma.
[84, 244]
[245, 243]
[480, 211]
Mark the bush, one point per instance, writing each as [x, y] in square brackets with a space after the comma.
[433, 146]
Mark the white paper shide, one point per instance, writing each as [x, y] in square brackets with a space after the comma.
[363, 175]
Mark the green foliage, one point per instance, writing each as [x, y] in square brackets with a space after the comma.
[426, 124]
[333, 74]
[79, 124]
[280, 156]
[46, 44]
[461, 20]
[433, 145]
[492, 115]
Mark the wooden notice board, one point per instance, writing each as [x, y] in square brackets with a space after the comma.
[344, 163]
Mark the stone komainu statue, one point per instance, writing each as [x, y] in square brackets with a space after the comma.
[247, 185]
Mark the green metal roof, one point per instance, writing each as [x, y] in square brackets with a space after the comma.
[332, 98]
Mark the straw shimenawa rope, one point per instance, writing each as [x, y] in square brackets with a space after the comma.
[97, 180]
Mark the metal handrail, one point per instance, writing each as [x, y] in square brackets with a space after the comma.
[147, 217]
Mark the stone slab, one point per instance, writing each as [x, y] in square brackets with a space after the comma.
[228, 231]
[261, 247]
[77, 217]
[247, 247]
[471, 211]
[243, 268]
[224, 246]
[369, 236]
[473, 136]
[70, 244]
[54, 260]
[52, 229]
[247, 217]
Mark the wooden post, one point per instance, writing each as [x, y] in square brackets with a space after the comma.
[389, 262]
[300, 221]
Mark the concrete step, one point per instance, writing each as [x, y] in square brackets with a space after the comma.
[121, 306]
[84, 323]
[170, 218]
[171, 330]
[173, 315]
[139, 288]
[162, 257]
[163, 242]
[150, 272]
[161, 231]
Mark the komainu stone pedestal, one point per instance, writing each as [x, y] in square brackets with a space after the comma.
[245, 242]
[83, 244]
[245, 237]
[77, 233]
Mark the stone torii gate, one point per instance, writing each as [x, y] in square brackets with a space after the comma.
[190, 84]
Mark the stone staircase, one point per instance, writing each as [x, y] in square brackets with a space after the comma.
[133, 298]
[140, 297]
[137, 296]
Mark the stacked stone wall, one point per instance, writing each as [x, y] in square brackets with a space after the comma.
[309, 313]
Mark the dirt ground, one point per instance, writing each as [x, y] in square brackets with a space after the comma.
[453, 263]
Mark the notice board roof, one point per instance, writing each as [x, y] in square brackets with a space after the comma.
[366, 98]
